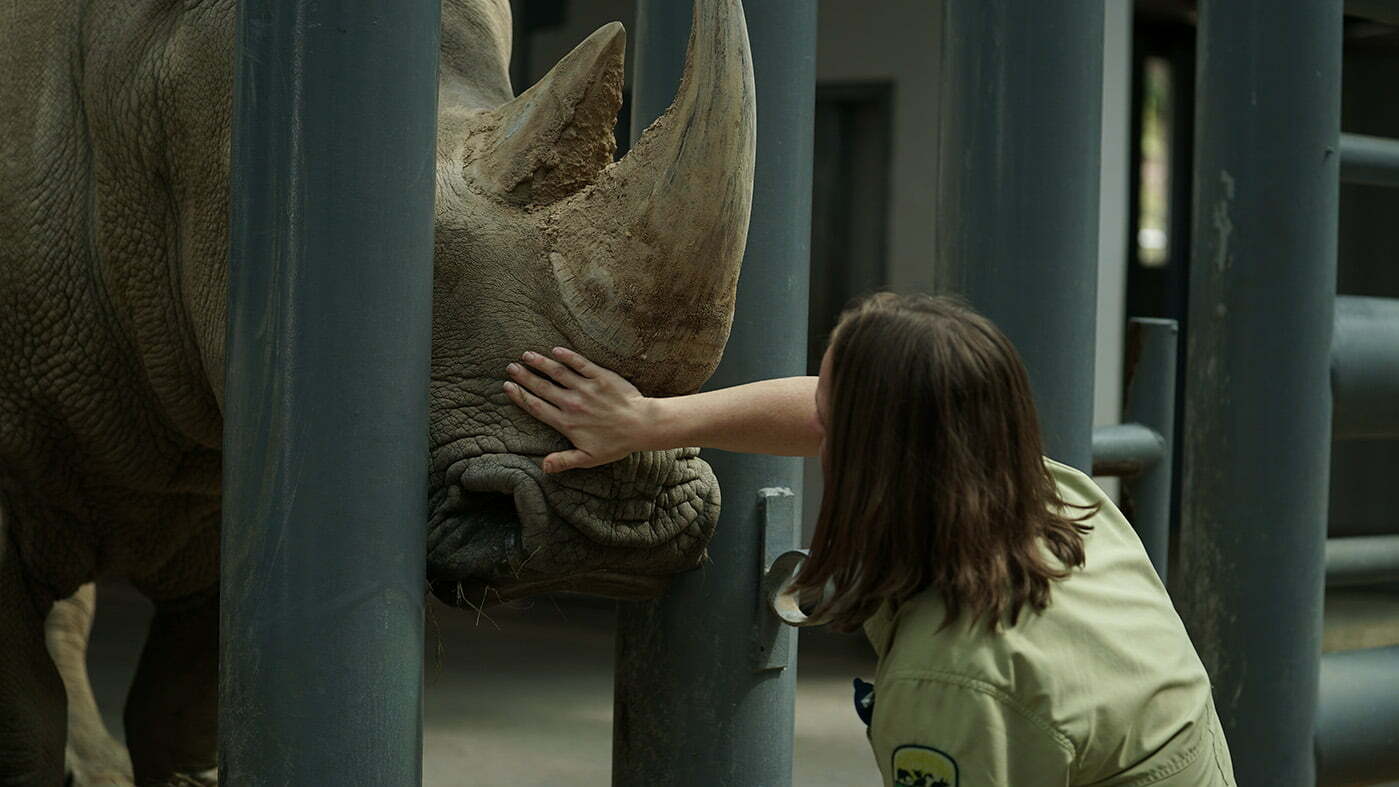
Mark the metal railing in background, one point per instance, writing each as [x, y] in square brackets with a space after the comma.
[1357, 729]
[1365, 387]
[1370, 160]
[1365, 368]
[1356, 561]
[1357, 736]
[1266, 331]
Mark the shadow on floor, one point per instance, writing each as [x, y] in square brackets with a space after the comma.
[524, 697]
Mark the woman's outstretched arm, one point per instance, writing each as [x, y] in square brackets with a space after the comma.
[606, 418]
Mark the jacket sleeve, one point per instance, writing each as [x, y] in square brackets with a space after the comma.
[951, 731]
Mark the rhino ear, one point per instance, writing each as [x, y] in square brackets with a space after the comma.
[554, 138]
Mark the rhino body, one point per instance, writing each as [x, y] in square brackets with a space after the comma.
[114, 146]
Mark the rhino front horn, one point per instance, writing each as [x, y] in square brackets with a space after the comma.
[647, 257]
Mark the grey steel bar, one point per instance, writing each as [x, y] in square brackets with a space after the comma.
[1151, 401]
[1257, 434]
[1372, 160]
[326, 405]
[1017, 201]
[1362, 560]
[1124, 450]
[690, 707]
[1357, 736]
[1365, 368]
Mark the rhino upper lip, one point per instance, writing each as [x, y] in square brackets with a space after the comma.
[516, 475]
[519, 476]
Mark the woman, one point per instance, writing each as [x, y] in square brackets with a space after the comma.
[1023, 636]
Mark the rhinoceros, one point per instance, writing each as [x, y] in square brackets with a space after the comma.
[114, 150]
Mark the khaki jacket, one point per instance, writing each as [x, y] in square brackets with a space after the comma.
[1101, 688]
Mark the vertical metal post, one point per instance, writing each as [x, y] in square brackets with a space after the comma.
[1257, 431]
[325, 437]
[695, 704]
[1151, 402]
[1017, 205]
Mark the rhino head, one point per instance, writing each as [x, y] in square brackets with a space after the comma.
[543, 240]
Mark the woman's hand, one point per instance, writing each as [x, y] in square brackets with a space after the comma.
[606, 418]
[602, 414]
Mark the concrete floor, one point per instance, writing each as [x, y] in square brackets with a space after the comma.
[524, 698]
[1358, 618]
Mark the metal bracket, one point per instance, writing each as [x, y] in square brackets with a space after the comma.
[773, 642]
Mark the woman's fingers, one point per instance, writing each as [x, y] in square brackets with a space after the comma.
[560, 374]
[577, 362]
[596, 409]
[535, 384]
[607, 380]
[573, 459]
[534, 405]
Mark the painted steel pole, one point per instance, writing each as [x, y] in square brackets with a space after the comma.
[325, 437]
[1257, 436]
[1017, 201]
[1140, 451]
[1151, 401]
[696, 704]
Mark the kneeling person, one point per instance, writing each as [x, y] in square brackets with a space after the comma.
[1023, 636]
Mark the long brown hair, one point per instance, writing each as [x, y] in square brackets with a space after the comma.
[934, 474]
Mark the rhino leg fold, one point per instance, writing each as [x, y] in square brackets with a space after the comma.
[32, 705]
[93, 758]
[172, 710]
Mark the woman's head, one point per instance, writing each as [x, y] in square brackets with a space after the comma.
[934, 475]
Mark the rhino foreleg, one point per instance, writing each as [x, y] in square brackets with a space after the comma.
[93, 758]
[172, 711]
[32, 705]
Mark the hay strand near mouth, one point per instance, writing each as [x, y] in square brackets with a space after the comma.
[517, 569]
[481, 608]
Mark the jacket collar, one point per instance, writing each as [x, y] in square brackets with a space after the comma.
[879, 628]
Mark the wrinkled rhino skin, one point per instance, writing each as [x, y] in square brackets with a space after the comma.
[114, 147]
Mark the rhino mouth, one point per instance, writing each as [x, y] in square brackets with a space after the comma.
[503, 529]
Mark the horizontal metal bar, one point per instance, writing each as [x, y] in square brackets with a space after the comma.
[1125, 449]
[1362, 560]
[1370, 160]
[1365, 368]
[1375, 10]
[1357, 730]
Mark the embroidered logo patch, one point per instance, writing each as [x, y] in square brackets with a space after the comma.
[923, 766]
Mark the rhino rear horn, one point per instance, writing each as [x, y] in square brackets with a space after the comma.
[554, 138]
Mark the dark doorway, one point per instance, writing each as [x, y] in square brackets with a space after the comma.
[849, 206]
